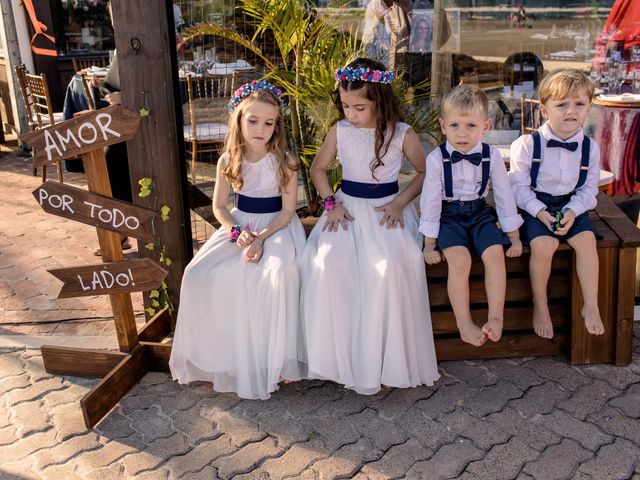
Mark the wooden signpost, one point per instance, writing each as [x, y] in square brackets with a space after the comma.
[142, 351]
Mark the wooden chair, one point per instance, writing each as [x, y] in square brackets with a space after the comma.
[531, 119]
[86, 62]
[207, 98]
[44, 116]
[87, 85]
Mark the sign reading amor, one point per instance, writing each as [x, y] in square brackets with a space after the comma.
[93, 209]
[113, 277]
[82, 134]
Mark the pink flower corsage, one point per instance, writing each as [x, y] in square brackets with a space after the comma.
[235, 233]
[329, 202]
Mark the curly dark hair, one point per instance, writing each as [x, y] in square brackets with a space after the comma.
[388, 112]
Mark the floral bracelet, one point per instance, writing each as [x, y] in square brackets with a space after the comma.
[329, 202]
[234, 233]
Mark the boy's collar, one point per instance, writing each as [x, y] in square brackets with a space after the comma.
[476, 148]
[545, 131]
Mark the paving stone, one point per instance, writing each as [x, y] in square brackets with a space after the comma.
[7, 435]
[585, 433]
[567, 376]
[67, 420]
[64, 451]
[17, 471]
[112, 472]
[483, 432]
[347, 460]
[240, 430]
[115, 425]
[66, 471]
[628, 402]
[448, 462]
[24, 447]
[295, 459]
[615, 461]
[349, 403]
[297, 406]
[30, 418]
[473, 374]
[618, 377]
[207, 473]
[151, 424]
[506, 369]
[203, 454]
[284, 428]
[193, 426]
[539, 400]
[381, 432]
[558, 461]
[531, 430]
[334, 432]
[106, 454]
[400, 400]
[223, 402]
[492, 399]
[10, 365]
[396, 461]
[14, 383]
[155, 474]
[589, 399]
[614, 423]
[247, 458]
[446, 399]
[69, 395]
[187, 398]
[155, 454]
[504, 461]
[429, 432]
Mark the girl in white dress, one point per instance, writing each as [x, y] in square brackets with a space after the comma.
[239, 301]
[365, 309]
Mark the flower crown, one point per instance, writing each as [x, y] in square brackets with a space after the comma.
[248, 88]
[364, 74]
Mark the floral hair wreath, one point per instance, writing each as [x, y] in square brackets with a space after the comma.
[364, 74]
[248, 88]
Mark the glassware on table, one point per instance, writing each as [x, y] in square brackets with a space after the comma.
[636, 82]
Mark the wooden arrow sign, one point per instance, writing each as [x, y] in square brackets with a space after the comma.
[93, 209]
[82, 134]
[107, 278]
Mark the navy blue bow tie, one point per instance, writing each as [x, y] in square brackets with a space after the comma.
[573, 146]
[475, 158]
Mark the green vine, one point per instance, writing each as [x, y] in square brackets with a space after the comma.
[159, 298]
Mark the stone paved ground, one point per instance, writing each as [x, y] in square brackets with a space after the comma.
[500, 419]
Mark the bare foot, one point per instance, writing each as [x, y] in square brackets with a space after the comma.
[592, 320]
[493, 329]
[542, 321]
[471, 333]
[284, 381]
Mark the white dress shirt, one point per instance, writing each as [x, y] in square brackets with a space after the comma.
[467, 179]
[558, 173]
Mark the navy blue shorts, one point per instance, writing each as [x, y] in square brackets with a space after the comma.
[472, 225]
[533, 227]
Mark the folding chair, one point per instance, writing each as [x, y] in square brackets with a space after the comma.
[86, 62]
[531, 119]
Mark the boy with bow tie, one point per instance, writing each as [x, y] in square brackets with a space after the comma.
[455, 217]
[554, 174]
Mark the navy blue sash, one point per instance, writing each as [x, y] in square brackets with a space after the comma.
[369, 190]
[448, 175]
[537, 159]
[258, 205]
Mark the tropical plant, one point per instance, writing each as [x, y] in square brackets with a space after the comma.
[309, 47]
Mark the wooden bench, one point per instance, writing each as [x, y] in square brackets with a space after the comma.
[617, 254]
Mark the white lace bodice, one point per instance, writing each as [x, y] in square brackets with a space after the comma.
[260, 178]
[356, 153]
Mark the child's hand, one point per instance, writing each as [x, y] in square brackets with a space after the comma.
[569, 216]
[114, 98]
[515, 250]
[392, 215]
[253, 253]
[546, 218]
[337, 216]
[245, 238]
[431, 255]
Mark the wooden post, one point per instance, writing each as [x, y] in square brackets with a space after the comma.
[145, 41]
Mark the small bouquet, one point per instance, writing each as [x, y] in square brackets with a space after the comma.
[557, 224]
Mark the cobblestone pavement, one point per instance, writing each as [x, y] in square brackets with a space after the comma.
[499, 419]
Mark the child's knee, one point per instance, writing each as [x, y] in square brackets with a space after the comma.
[584, 241]
[458, 257]
[544, 246]
[492, 254]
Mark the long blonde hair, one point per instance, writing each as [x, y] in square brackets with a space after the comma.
[277, 145]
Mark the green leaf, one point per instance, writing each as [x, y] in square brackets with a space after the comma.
[164, 212]
[143, 112]
[150, 311]
[150, 246]
[154, 294]
[144, 192]
[167, 261]
[155, 303]
[164, 285]
[145, 182]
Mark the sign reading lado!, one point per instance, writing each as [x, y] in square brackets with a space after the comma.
[82, 134]
[96, 210]
[113, 277]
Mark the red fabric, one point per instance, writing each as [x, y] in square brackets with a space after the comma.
[618, 134]
[622, 25]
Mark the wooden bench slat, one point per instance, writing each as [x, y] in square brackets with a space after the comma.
[627, 232]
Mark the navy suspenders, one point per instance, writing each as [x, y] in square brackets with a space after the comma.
[448, 175]
[537, 158]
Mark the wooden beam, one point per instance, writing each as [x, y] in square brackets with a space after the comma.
[106, 394]
[625, 305]
[148, 75]
[79, 362]
[625, 229]
[157, 328]
[157, 355]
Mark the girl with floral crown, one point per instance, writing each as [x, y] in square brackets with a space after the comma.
[238, 316]
[365, 310]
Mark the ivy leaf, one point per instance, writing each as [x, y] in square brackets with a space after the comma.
[154, 294]
[150, 246]
[164, 212]
[167, 261]
[145, 182]
[164, 285]
[144, 192]
[155, 303]
[143, 112]
[150, 311]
